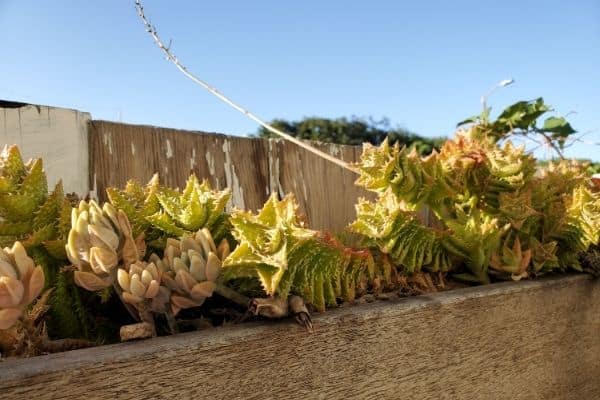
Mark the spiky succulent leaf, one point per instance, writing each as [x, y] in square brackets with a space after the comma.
[580, 226]
[413, 179]
[286, 257]
[12, 169]
[138, 202]
[543, 255]
[474, 237]
[399, 233]
[41, 222]
[162, 222]
[159, 211]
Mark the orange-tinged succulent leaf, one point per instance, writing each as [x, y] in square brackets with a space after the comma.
[90, 281]
[8, 317]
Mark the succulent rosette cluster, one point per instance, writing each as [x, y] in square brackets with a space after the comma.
[21, 282]
[100, 239]
[190, 268]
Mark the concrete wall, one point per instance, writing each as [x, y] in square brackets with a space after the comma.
[57, 135]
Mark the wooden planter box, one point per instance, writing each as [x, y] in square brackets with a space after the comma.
[527, 340]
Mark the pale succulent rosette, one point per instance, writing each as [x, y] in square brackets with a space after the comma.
[141, 286]
[185, 276]
[190, 268]
[99, 240]
[21, 282]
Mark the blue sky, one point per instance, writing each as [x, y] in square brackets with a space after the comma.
[423, 64]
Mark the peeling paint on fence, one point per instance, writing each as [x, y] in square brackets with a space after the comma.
[233, 183]
[252, 168]
[169, 149]
[193, 159]
[108, 141]
[274, 183]
[211, 166]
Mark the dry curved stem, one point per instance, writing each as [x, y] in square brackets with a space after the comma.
[60, 345]
[277, 307]
[28, 336]
[300, 311]
[151, 29]
[232, 295]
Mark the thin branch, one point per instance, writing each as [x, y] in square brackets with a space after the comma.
[551, 143]
[579, 139]
[151, 29]
[547, 140]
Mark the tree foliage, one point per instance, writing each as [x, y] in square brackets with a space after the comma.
[521, 119]
[352, 131]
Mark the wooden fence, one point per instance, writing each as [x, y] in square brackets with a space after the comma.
[252, 167]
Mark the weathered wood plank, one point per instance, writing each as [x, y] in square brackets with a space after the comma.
[326, 193]
[252, 167]
[528, 340]
[119, 152]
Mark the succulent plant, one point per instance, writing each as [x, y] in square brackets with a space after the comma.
[186, 275]
[543, 256]
[590, 261]
[160, 212]
[404, 173]
[41, 222]
[190, 268]
[21, 282]
[474, 237]
[288, 258]
[100, 239]
[482, 193]
[138, 202]
[141, 287]
[27, 212]
[399, 233]
[513, 261]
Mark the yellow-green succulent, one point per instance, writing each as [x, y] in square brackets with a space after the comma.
[160, 212]
[288, 258]
[482, 191]
[41, 222]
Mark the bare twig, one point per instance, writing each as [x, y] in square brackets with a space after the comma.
[546, 140]
[151, 29]
[232, 295]
[551, 143]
